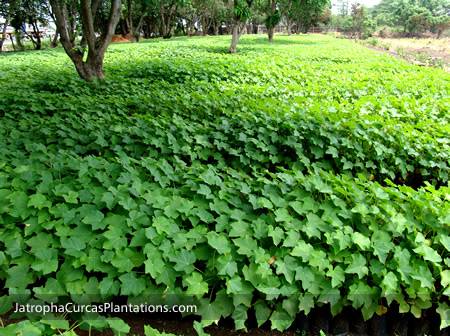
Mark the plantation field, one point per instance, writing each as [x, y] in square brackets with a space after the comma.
[311, 173]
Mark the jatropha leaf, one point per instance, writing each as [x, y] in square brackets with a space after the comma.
[219, 242]
[444, 313]
[196, 285]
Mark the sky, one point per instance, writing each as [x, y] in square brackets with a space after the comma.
[368, 3]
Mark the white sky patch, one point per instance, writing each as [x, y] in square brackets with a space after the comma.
[367, 3]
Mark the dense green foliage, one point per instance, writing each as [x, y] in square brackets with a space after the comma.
[414, 16]
[307, 172]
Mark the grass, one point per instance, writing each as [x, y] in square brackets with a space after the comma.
[311, 168]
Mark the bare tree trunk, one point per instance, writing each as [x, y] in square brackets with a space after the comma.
[289, 27]
[137, 29]
[4, 36]
[54, 40]
[270, 32]
[216, 28]
[234, 38]
[204, 23]
[166, 28]
[129, 20]
[36, 36]
[271, 22]
[91, 68]
[12, 41]
[18, 36]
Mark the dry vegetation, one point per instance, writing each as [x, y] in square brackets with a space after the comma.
[422, 51]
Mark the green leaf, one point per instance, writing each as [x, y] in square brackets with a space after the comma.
[39, 201]
[280, 320]
[73, 243]
[306, 303]
[71, 197]
[277, 234]
[428, 253]
[444, 312]
[240, 316]
[131, 285]
[302, 250]
[56, 324]
[210, 177]
[382, 244]
[264, 203]
[19, 201]
[108, 199]
[246, 245]
[282, 215]
[195, 284]
[337, 276]
[357, 266]
[198, 327]
[118, 326]
[362, 295]
[362, 241]
[19, 276]
[219, 242]
[149, 331]
[262, 312]
[94, 218]
[184, 261]
[164, 225]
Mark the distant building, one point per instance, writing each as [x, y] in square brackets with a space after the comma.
[45, 30]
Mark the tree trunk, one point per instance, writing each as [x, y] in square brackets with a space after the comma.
[138, 28]
[129, 19]
[54, 40]
[36, 37]
[12, 42]
[270, 32]
[234, 38]
[18, 36]
[271, 22]
[289, 27]
[216, 29]
[165, 27]
[255, 28]
[91, 68]
[4, 36]
[204, 23]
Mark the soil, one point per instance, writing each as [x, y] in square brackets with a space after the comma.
[119, 39]
[347, 323]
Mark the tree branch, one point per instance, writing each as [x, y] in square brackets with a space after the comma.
[114, 17]
[88, 24]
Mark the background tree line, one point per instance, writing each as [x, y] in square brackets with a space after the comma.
[404, 18]
[165, 18]
[86, 27]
